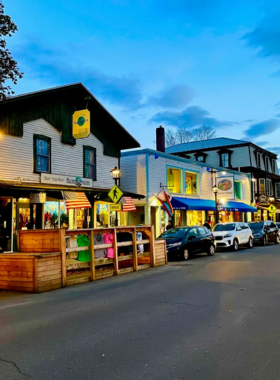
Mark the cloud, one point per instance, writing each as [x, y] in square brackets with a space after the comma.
[278, 115]
[190, 117]
[266, 36]
[262, 143]
[57, 67]
[263, 128]
[174, 97]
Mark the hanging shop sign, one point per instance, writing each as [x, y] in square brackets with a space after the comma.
[263, 198]
[225, 187]
[81, 124]
[55, 179]
[115, 194]
[38, 198]
[115, 207]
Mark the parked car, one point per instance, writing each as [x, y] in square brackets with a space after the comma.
[184, 242]
[278, 225]
[265, 232]
[232, 235]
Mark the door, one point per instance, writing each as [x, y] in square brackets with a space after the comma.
[6, 208]
[194, 241]
[153, 219]
[240, 234]
[269, 232]
[245, 232]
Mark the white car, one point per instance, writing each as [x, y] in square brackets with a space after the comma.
[232, 235]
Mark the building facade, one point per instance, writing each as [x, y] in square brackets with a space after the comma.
[189, 185]
[40, 162]
[242, 156]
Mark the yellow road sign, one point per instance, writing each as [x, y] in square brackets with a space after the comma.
[115, 194]
[116, 207]
[271, 208]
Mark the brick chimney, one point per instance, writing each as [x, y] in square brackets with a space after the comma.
[160, 139]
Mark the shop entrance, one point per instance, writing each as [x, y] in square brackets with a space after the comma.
[6, 217]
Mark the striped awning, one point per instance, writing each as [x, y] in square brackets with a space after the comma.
[75, 199]
[128, 204]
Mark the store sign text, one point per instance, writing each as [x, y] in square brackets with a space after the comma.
[55, 179]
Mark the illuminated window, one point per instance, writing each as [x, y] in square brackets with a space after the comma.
[174, 180]
[191, 183]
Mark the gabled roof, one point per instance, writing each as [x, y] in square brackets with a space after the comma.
[204, 144]
[56, 106]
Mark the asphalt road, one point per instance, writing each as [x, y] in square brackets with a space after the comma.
[211, 318]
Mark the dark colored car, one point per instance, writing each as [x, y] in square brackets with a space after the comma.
[265, 232]
[184, 242]
[278, 225]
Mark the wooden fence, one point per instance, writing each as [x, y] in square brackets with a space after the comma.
[50, 259]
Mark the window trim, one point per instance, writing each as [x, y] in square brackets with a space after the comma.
[86, 147]
[277, 183]
[182, 171]
[262, 179]
[49, 140]
[269, 189]
[258, 159]
[200, 154]
[225, 151]
[266, 163]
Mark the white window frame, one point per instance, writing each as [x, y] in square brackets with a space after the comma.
[277, 194]
[258, 160]
[269, 186]
[266, 163]
[262, 179]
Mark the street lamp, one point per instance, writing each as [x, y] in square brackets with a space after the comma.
[271, 199]
[116, 174]
[215, 191]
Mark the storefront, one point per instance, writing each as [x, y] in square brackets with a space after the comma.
[196, 211]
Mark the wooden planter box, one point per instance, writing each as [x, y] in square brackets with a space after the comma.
[30, 272]
[160, 253]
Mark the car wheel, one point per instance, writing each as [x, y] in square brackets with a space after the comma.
[277, 240]
[250, 243]
[235, 245]
[211, 250]
[186, 254]
[264, 241]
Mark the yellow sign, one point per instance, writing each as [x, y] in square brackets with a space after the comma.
[115, 194]
[272, 208]
[81, 124]
[115, 207]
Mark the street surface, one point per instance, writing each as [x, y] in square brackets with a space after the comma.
[210, 318]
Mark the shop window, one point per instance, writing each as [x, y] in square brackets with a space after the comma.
[277, 190]
[174, 180]
[51, 215]
[90, 162]
[262, 185]
[238, 190]
[42, 154]
[195, 218]
[269, 187]
[191, 183]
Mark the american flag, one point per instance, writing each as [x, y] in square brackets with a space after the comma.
[75, 200]
[128, 204]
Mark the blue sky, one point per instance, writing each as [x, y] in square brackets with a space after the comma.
[153, 62]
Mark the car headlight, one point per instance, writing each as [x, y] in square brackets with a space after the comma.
[228, 235]
[175, 244]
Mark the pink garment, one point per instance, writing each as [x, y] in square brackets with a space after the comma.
[109, 239]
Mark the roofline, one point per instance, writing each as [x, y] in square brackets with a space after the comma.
[180, 159]
[60, 88]
[225, 146]
[215, 138]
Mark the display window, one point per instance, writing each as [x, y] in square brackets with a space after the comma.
[102, 214]
[191, 182]
[51, 215]
[174, 180]
[195, 218]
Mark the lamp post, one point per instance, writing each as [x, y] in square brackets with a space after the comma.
[116, 175]
[215, 191]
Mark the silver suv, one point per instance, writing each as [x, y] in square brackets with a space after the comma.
[232, 235]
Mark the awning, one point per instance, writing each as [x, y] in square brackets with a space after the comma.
[237, 206]
[209, 205]
[74, 200]
[128, 204]
[192, 204]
